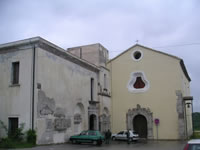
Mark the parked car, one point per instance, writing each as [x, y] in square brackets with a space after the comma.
[122, 135]
[88, 136]
[193, 145]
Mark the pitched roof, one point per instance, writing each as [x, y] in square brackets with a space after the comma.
[175, 57]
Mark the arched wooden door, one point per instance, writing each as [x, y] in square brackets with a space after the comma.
[140, 125]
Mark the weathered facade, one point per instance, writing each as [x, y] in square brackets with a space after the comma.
[148, 94]
[60, 93]
[98, 55]
[55, 92]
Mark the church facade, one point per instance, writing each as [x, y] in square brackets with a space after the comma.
[148, 92]
[60, 93]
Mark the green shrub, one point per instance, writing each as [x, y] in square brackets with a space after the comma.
[18, 135]
[3, 126]
[16, 139]
[6, 143]
[31, 136]
[196, 135]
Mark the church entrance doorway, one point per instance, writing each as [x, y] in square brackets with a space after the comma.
[140, 125]
[93, 122]
[141, 120]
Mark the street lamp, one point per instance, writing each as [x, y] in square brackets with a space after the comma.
[188, 100]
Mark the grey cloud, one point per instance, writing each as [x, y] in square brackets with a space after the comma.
[115, 24]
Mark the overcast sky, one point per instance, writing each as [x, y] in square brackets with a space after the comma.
[171, 26]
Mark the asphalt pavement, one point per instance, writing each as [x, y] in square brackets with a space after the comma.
[116, 145]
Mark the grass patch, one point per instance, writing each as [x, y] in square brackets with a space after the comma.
[196, 135]
[23, 145]
[8, 143]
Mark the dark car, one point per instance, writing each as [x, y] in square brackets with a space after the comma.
[193, 145]
[89, 136]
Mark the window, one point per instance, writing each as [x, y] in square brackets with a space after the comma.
[15, 73]
[105, 82]
[122, 132]
[13, 125]
[194, 146]
[137, 55]
[92, 89]
[91, 133]
[84, 133]
[138, 82]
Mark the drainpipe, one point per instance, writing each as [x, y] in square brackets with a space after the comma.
[33, 88]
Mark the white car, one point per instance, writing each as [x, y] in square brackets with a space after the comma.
[122, 135]
[193, 145]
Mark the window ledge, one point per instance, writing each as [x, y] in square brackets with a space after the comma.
[107, 94]
[14, 85]
[93, 102]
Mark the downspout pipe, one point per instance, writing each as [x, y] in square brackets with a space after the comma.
[33, 87]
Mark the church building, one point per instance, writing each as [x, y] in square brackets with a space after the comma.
[60, 92]
[150, 91]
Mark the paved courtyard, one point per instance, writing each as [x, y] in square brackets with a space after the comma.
[117, 145]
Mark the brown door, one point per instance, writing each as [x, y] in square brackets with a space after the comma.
[140, 125]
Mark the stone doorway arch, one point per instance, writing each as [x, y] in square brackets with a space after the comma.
[132, 113]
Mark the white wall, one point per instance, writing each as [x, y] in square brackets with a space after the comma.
[15, 101]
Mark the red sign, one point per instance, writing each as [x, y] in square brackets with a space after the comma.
[157, 121]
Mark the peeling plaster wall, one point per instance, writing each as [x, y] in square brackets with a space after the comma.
[104, 90]
[104, 93]
[62, 85]
[181, 116]
[185, 90]
[14, 98]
